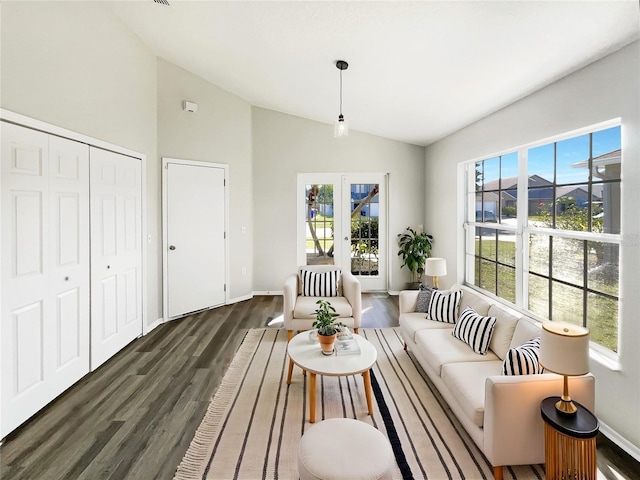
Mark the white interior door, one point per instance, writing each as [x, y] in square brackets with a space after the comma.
[195, 236]
[116, 253]
[69, 279]
[45, 270]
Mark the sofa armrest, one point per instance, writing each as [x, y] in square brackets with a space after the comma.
[290, 293]
[513, 427]
[408, 300]
[352, 291]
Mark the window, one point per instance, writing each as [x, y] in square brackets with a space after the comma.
[543, 229]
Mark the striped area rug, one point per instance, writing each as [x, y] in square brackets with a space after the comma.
[254, 422]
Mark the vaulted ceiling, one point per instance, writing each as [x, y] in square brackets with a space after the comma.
[418, 71]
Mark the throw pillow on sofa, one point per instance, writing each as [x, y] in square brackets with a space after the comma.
[523, 360]
[474, 330]
[323, 284]
[424, 296]
[443, 306]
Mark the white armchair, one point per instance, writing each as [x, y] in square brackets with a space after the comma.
[299, 310]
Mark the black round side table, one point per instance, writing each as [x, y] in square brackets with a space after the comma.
[570, 442]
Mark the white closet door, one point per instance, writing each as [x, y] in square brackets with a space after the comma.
[45, 290]
[69, 244]
[195, 223]
[116, 253]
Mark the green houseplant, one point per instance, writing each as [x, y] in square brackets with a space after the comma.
[327, 325]
[414, 249]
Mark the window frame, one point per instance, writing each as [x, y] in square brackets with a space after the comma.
[523, 230]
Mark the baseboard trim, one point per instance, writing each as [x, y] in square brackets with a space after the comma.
[620, 441]
[269, 292]
[240, 299]
[155, 324]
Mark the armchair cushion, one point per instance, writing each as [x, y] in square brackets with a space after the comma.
[306, 306]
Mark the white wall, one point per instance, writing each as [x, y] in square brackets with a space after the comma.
[285, 145]
[72, 66]
[604, 90]
[219, 132]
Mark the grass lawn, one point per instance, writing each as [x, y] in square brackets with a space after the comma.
[495, 272]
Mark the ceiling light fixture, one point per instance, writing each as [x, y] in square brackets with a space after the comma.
[341, 128]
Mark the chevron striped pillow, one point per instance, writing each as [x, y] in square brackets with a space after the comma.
[323, 284]
[474, 330]
[523, 360]
[443, 306]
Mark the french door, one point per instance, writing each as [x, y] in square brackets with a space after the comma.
[342, 221]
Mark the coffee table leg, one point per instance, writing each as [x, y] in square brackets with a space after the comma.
[312, 398]
[290, 372]
[367, 390]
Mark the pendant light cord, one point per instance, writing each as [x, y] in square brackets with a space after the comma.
[340, 91]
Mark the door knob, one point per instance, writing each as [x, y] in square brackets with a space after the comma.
[172, 247]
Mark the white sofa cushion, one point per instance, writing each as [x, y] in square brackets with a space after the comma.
[413, 322]
[475, 301]
[306, 306]
[444, 348]
[503, 330]
[466, 383]
[526, 329]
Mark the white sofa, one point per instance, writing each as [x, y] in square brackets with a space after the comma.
[501, 413]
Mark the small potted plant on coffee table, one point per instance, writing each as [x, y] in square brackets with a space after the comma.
[327, 325]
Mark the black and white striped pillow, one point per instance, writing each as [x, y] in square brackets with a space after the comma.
[523, 360]
[323, 284]
[474, 330]
[443, 306]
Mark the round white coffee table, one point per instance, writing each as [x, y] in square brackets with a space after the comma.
[308, 356]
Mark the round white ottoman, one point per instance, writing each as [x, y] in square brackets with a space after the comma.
[344, 449]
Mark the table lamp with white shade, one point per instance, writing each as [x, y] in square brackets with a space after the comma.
[564, 349]
[435, 267]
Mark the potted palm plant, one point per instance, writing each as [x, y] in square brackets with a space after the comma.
[414, 249]
[327, 325]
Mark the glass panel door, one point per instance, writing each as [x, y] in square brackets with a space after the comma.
[342, 221]
[319, 224]
[365, 225]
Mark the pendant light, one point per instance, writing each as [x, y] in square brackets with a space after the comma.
[341, 128]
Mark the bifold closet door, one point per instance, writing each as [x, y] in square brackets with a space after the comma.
[45, 270]
[116, 253]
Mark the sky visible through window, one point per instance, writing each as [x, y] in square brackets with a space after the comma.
[569, 152]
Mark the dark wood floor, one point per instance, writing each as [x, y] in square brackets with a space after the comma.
[135, 416]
